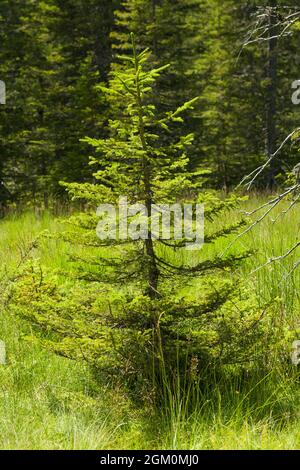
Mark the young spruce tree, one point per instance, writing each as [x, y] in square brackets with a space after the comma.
[140, 307]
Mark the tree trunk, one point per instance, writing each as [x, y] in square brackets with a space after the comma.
[272, 94]
[153, 272]
[155, 48]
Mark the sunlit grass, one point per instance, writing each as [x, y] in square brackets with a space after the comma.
[50, 402]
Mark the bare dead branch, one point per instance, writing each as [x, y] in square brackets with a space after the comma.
[278, 258]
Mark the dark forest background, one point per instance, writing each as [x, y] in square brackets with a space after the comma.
[54, 54]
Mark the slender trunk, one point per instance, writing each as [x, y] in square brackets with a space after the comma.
[155, 50]
[102, 47]
[43, 167]
[272, 94]
[153, 272]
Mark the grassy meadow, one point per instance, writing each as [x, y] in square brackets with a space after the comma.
[48, 402]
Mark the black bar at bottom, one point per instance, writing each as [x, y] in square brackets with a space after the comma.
[146, 459]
